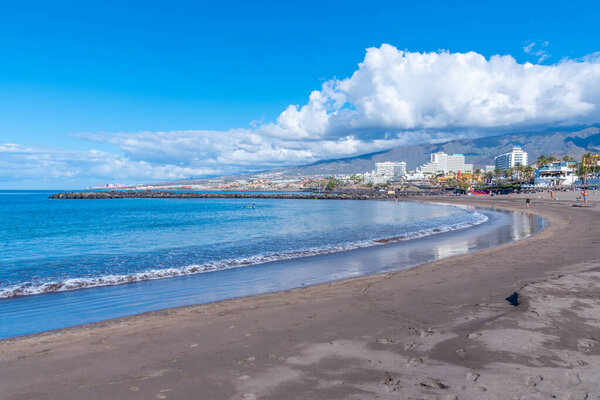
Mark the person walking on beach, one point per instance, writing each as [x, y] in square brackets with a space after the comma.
[527, 202]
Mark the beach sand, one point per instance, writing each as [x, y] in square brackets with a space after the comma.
[440, 331]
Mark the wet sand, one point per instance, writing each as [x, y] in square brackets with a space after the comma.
[440, 331]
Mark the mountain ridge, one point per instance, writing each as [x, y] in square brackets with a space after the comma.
[479, 151]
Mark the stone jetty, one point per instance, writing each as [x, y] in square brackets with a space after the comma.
[132, 194]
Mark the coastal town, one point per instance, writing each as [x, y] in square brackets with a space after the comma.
[511, 171]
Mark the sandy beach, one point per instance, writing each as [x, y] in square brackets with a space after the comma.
[440, 331]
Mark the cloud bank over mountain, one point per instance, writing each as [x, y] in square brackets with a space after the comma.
[395, 97]
[395, 90]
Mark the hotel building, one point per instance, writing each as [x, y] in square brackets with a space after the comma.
[390, 170]
[385, 172]
[511, 159]
[441, 162]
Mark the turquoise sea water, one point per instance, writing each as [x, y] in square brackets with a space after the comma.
[66, 262]
[53, 245]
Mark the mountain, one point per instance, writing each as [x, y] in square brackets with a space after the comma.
[480, 152]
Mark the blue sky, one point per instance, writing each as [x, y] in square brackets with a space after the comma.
[76, 75]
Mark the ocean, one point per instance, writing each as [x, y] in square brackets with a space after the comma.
[67, 262]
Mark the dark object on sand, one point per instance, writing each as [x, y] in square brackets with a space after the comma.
[513, 299]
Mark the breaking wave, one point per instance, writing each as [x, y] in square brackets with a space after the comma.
[33, 288]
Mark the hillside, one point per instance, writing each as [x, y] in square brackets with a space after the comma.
[479, 152]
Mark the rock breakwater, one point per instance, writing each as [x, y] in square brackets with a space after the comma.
[131, 194]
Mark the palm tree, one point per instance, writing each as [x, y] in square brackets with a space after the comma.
[584, 168]
[498, 172]
[528, 171]
[582, 172]
[545, 160]
[519, 169]
[542, 160]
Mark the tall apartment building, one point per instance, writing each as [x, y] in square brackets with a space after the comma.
[389, 170]
[441, 162]
[511, 159]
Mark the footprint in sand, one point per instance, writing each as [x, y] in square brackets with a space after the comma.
[578, 396]
[573, 378]
[433, 384]
[474, 335]
[194, 345]
[461, 353]
[472, 376]
[385, 341]
[135, 388]
[249, 396]
[409, 346]
[426, 333]
[247, 362]
[163, 394]
[414, 362]
[533, 380]
[586, 345]
[389, 383]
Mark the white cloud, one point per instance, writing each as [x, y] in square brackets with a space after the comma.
[42, 167]
[395, 97]
[395, 90]
[537, 49]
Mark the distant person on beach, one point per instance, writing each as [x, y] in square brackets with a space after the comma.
[552, 194]
[584, 194]
[528, 202]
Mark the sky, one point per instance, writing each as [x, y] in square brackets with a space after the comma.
[100, 92]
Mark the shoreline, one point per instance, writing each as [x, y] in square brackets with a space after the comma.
[72, 284]
[375, 257]
[263, 345]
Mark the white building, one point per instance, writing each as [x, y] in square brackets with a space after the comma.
[511, 159]
[443, 163]
[415, 176]
[390, 170]
[558, 173]
[385, 172]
